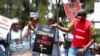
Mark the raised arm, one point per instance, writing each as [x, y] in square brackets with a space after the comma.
[65, 29]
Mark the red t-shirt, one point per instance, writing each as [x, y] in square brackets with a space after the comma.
[81, 33]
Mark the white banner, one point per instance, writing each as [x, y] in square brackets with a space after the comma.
[97, 14]
[97, 11]
[5, 24]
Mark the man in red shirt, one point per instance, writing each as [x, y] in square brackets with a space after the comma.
[83, 34]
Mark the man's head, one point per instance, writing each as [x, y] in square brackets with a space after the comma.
[15, 24]
[50, 18]
[81, 15]
[51, 21]
[34, 17]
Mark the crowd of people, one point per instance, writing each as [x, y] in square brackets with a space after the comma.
[83, 36]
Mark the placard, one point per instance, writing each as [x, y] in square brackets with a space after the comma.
[5, 24]
[71, 9]
[44, 39]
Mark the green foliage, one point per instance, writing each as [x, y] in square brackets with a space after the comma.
[1, 2]
[42, 11]
[98, 35]
[2, 7]
[89, 4]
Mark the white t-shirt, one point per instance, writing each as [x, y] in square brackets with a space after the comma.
[32, 35]
[61, 37]
[69, 37]
[15, 35]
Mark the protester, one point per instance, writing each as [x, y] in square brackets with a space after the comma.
[29, 31]
[13, 36]
[62, 50]
[66, 39]
[83, 34]
[15, 30]
[51, 20]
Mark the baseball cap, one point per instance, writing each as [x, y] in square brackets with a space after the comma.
[81, 12]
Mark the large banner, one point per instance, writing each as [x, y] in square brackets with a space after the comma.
[71, 9]
[44, 39]
[5, 24]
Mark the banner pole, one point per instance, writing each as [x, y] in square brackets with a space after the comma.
[29, 18]
[57, 30]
